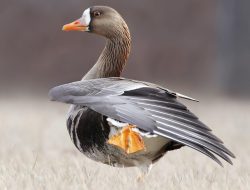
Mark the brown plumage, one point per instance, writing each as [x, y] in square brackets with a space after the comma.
[123, 122]
[115, 54]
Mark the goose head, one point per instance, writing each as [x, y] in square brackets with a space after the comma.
[101, 20]
[108, 23]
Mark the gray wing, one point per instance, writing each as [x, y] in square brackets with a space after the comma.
[149, 107]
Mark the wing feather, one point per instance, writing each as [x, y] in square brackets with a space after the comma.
[152, 109]
[190, 144]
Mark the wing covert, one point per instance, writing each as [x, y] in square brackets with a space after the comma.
[152, 109]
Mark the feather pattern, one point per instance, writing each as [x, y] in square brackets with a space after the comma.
[151, 108]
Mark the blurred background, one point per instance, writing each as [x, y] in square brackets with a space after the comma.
[181, 44]
[198, 48]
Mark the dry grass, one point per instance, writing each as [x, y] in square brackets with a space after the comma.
[36, 152]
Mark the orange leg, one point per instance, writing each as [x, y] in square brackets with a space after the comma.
[128, 140]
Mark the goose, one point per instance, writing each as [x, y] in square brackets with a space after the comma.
[123, 122]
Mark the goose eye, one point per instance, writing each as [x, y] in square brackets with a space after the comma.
[97, 13]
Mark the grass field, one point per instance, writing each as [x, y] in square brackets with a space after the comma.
[36, 152]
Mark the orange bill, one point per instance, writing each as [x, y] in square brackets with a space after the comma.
[75, 26]
[128, 140]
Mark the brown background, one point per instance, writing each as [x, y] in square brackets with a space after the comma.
[181, 44]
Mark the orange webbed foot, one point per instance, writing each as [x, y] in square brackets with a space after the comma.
[128, 140]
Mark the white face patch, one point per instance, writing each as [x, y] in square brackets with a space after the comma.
[85, 19]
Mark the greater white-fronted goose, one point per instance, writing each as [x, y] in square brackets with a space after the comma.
[123, 122]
